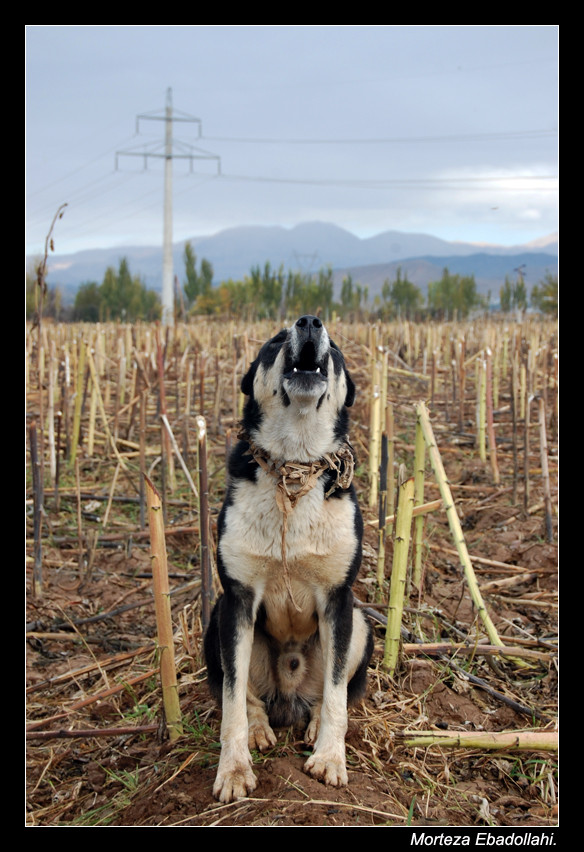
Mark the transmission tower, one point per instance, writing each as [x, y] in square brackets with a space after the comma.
[170, 151]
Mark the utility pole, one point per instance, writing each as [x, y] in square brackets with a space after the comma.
[171, 151]
[167, 266]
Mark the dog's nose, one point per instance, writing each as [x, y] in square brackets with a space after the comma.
[309, 326]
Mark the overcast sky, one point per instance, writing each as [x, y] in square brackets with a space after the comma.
[444, 130]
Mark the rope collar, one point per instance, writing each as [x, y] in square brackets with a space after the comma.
[304, 475]
[294, 479]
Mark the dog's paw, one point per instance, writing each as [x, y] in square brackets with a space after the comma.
[328, 768]
[260, 736]
[235, 782]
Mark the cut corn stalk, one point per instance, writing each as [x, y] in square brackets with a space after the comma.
[490, 422]
[382, 514]
[78, 402]
[163, 616]
[454, 522]
[165, 443]
[51, 415]
[206, 573]
[398, 575]
[102, 410]
[178, 453]
[482, 425]
[374, 433]
[424, 509]
[38, 508]
[92, 416]
[462, 649]
[526, 455]
[508, 740]
[390, 460]
[419, 472]
[545, 471]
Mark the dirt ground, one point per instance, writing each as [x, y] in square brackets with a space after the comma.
[96, 753]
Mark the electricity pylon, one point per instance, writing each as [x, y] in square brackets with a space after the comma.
[183, 152]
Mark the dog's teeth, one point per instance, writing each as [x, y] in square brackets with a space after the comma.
[318, 369]
[295, 370]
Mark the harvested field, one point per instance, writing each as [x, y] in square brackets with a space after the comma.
[108, 403]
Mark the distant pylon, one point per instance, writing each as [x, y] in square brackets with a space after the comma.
[188, 153]
[167, 266]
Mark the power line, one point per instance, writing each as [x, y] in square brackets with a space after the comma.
[389, 140]
[418, 183]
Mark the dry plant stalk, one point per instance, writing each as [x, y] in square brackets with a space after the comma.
[461, 381]
[398, 575]
[163, 616]
[464, 650]
[78, 402]
[142, 451]
[423, 509]
[526, 452]
[100, 403]
[382, 514]
[508, 740]
[490, 421]
[38, 508]
[177, 451]
[514, 436]
[165, 444]
[389, 428]
[482, 412]
[92, 416]
[374, 433]
[545, 472]
[51, 414]
[204, 526]
[454, 523]
[419, 472]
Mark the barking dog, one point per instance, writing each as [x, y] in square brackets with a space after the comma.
[285, 645]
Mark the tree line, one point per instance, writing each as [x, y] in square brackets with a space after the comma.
[268, 293]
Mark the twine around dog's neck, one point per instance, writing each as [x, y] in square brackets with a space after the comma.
[294, 479]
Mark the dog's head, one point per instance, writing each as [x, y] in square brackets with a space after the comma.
[298, 391]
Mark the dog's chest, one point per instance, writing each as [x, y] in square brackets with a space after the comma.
[319, 542]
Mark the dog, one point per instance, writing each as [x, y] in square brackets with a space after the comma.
[285, 644]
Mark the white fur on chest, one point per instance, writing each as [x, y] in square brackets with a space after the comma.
[320, 539]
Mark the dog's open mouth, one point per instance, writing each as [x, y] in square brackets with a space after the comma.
[306, 365]
[305, 375]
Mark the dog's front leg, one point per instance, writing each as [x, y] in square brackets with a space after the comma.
[235, 778]
[327, 762]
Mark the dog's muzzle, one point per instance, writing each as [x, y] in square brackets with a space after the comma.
[306, 363]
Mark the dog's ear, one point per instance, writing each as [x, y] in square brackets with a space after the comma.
[247, 381]
[350, 397]
[340, 365]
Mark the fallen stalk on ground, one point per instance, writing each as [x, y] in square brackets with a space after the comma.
[508, 740]
[454, 523]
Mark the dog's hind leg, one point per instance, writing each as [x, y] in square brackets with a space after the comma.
[313, 727]
[260, 734]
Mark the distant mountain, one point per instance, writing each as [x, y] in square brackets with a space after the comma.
[489, 271]
[309, 247]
